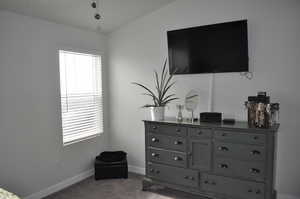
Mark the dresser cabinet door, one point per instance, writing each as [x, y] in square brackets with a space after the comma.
[174, 175]
[232, 187]
[167, 157]
[200, 154]
[173, 130]
[167, 142]
[238, 137]
[237, 168]
[240, 151]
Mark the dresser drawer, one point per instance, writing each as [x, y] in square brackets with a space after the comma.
[232, 187]
[167, 157]
[174, 175]
[239, 137]
[250, 170]
[167, 142]
[199, 133]
[173, 130]
[240, 151]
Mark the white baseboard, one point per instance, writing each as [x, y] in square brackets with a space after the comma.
[73, 180]
[135, 169]
[61, 185]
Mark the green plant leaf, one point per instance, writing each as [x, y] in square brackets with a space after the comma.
[169, 100]
[148, 105]
[153, 97]
[163, 72]
[167, 88]
[157, 85]
[162, 87]
[163, 77]
[168, 81]
[147, 89]
[167, 97]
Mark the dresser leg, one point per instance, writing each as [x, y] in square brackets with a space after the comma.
[274, 194]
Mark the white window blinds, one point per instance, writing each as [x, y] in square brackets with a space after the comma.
[81, 96]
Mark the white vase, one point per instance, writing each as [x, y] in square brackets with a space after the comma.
[157, 113]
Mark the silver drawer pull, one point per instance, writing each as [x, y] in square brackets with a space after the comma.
[155, 140]
[151, 170]
[189, 178]
[154, 127]
[253, 170]
[211, 183]
[154, 154]
[176, 158]
[223, 166]
[223, 148]
[257, 191]
[177, 142]
[255, 152]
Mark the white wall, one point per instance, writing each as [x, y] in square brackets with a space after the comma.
[32, 157]
[140, 47]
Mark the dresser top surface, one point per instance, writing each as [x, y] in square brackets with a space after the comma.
[241, 125]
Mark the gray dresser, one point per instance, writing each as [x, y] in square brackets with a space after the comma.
[212, 160]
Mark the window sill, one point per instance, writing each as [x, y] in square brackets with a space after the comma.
[81, 139]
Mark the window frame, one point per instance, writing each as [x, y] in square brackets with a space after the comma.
[80, 51]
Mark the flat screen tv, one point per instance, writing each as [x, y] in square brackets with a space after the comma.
[216, 48]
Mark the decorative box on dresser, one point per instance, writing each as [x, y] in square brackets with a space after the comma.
[211, 160]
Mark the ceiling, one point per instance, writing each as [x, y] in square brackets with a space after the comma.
[79, 13]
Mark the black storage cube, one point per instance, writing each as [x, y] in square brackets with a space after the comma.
[111, 164]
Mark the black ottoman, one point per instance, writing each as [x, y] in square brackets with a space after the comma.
[111, 164]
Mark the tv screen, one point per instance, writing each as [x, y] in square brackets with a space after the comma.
[214, 48]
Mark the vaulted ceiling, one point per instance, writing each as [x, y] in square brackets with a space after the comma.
[79, 13]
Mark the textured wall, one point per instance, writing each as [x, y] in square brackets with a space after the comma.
[274, 47]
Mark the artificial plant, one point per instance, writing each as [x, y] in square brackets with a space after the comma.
[163, 83]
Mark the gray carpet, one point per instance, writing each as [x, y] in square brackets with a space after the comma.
[130, 188]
